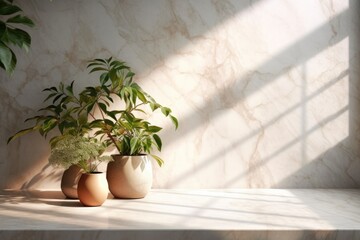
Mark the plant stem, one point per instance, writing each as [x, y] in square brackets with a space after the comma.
[136, 106]
[108, 133]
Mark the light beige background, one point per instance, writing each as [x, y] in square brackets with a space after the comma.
[266, 91]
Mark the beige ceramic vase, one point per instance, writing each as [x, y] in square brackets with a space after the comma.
[69, 181]
[129, 176]
[92, 189]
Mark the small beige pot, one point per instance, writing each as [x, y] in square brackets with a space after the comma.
[129, 176]
[92, 189]
[69, 181]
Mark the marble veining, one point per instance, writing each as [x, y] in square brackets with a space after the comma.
[267, 92]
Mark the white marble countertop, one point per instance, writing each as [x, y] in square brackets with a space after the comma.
[234, 210]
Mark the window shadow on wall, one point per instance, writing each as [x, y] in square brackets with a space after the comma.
[330, 168]
[317, 41]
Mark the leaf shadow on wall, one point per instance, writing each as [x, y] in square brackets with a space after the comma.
[47, 172]
[32, 153]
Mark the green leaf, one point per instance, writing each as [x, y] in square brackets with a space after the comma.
[117, 63]
[83, 119]
[126, 125]
[20, 133]
[90, 91]
[104, 77]
[141, 96]
[154, 129]
[61, 86]
[133, 95]
[61, 127]
[117, 111]
[57, 97]
[158, 159]
[103, 107]
[67, 126]
[133, 145]
[128, 116]
[35, 117]
[103, 87]
[147, 143]
[2, 28]
[113, 76]
[58, 109]
[139, 110]
[158, 141]
[22, 20]
[98, 123]
[125, 146]
[50, 89]
[112, 115]
[48, 108]
[92, 64]
[98, 69]
[100, 132]
[174, 121]
[70, 88]
[130, 74]
[100, 60]
[120, 67]
[8, 9]
[7, 58]
[50, 96]
[90, 107]
[48, 125]
[18, 37]
[166, 111]
[154, 106]
[65, 100]
[138, 125]
[109, 122]
[109, 60]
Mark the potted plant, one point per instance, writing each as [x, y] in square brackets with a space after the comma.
[84, 153]
[66, 114]
[129, 175]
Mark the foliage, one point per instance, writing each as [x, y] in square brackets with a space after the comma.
[73, 145]
[130, 134]
[64, 112]
[73, 114]
[77, 150]
[10, 34]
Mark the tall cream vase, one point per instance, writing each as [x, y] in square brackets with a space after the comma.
[129, 176]
[92, 189]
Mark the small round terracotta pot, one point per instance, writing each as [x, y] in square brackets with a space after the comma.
[69, 181]
[92, 189]
[129, 176]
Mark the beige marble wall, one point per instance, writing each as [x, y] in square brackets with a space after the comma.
[266, 91]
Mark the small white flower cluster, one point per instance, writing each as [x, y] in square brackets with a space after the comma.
[77, 150]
